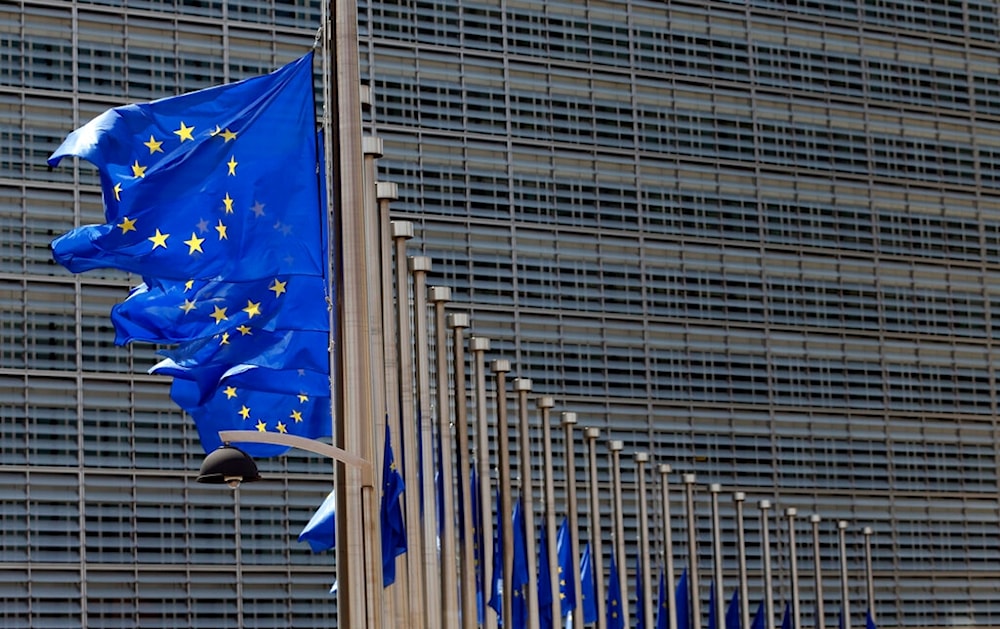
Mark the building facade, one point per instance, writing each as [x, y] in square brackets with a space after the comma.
[756, 239]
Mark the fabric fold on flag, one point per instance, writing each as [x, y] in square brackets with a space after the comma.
[545, 602]
[567, 564]
[393, 530]
[733, 620]
[519, 577]
[588, 587]
[321, 530]
[682, 602]
[615, 618]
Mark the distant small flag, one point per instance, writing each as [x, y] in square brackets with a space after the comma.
[545, 601]
[321, 531]
[615, 617]
[682, 601]
[870, 620]
[520, 577]
[713, 615]
[640, 601]
[478, 548]
[588, 587]
[393, 530]
[567, 585]
[759, 620]
[733, 620]
[662, 604]
[497, 584]
[786, 618]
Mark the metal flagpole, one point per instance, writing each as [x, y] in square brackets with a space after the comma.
[596, 553]
[401, 232]
[720, 590]
[545, 404]
[568, 421]
[419, 267]
[817, 571]
[357, 569]
[765, 542]
[457, 322]
[439, 296]
[614, 448]
[377, 311]
[523, 386]
[668, 544]
[692, 532]
[845, 594]
[793, 562]
[741, 548]
[868, 571]
[641, 458]
[500, 367]
[479, 345]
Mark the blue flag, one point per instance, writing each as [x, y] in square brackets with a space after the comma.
[682, 602]
[520, 577]
[477, 545]
[733, 620]
[588, 587]
[393, 530]
[759, 621]
[497, 584]
[640, 600]
[663, 604]
[545, 602]
[567, 587]
[321, 530]
[713, 615]
[235, 408]
[786, 618]
[218, 183]
[615, 617]
[870, 620]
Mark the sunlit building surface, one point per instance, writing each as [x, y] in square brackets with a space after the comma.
[756, 239]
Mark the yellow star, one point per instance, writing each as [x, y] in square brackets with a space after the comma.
[184, 133]
[303, 398]
[215, 131]
[281, 428]
[127, 225]
[228, 202]
[222, 230]
[228, 135]
[153, 145]
[252, 309]
[158, 239]
[194, 244]
[137, 170]
[230, 392]
[243, 329]
[296, 415]
[118, 191]
[244, 412]
[232, 165]
[278, 287]
[225, 339]
[219, 314]
[261, 426]
[188, 285]
[187, 306]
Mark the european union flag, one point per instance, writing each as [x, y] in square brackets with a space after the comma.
[588, 587]
[520, 577]
[870, 620]
[615, 617]
[733, 620]
[234, 408]
[640, 597]
[567, 587]
[218, 183]
[682, 601]
[759, 621]
[321, 531]
[713, 616]
[168, 311]
[662, 605]
[477, 544]
[497, 584]
[786, 618]
[544, 580]
[393, 529]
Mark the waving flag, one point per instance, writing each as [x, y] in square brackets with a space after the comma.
[391, 513]
[564, 550]
[321, 531]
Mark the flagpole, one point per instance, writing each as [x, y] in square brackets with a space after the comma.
[523, 387]
[845, 594]
[641, 458]
[692, 532]
[458, 322]
[357, 510]
[765, 543]
[416, 606]
[868, 571]
[597, 554]
[568, 421]
[479, 345]
[545, 404]
[385, 193]
[793, 562]
[817, 571]
[614, 448]
[419, 267]
[720, 590]
[439, 296]
[377, 312]
[500, 367]
[739, 498]
[668, 544]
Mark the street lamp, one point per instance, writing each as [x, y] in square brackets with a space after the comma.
[228, 465]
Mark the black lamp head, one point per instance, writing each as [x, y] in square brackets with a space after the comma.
[228, 465]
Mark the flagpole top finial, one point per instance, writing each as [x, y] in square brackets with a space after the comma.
[641, 457]
[420, 263]
[402, 229]
[479, 343]
[371, 145]
[815, 518]
[568, 418]
[387, 191]
[546, 401]
[616, 445]
[522, 384]
[664, 468]
[715, 488]
[867, 530]
[689, 479]
[791, 512]
[439, 294]
[458, 320]
[500, 365]
[764, 504]
[739, 496]
[591, 432]
[841, 524]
